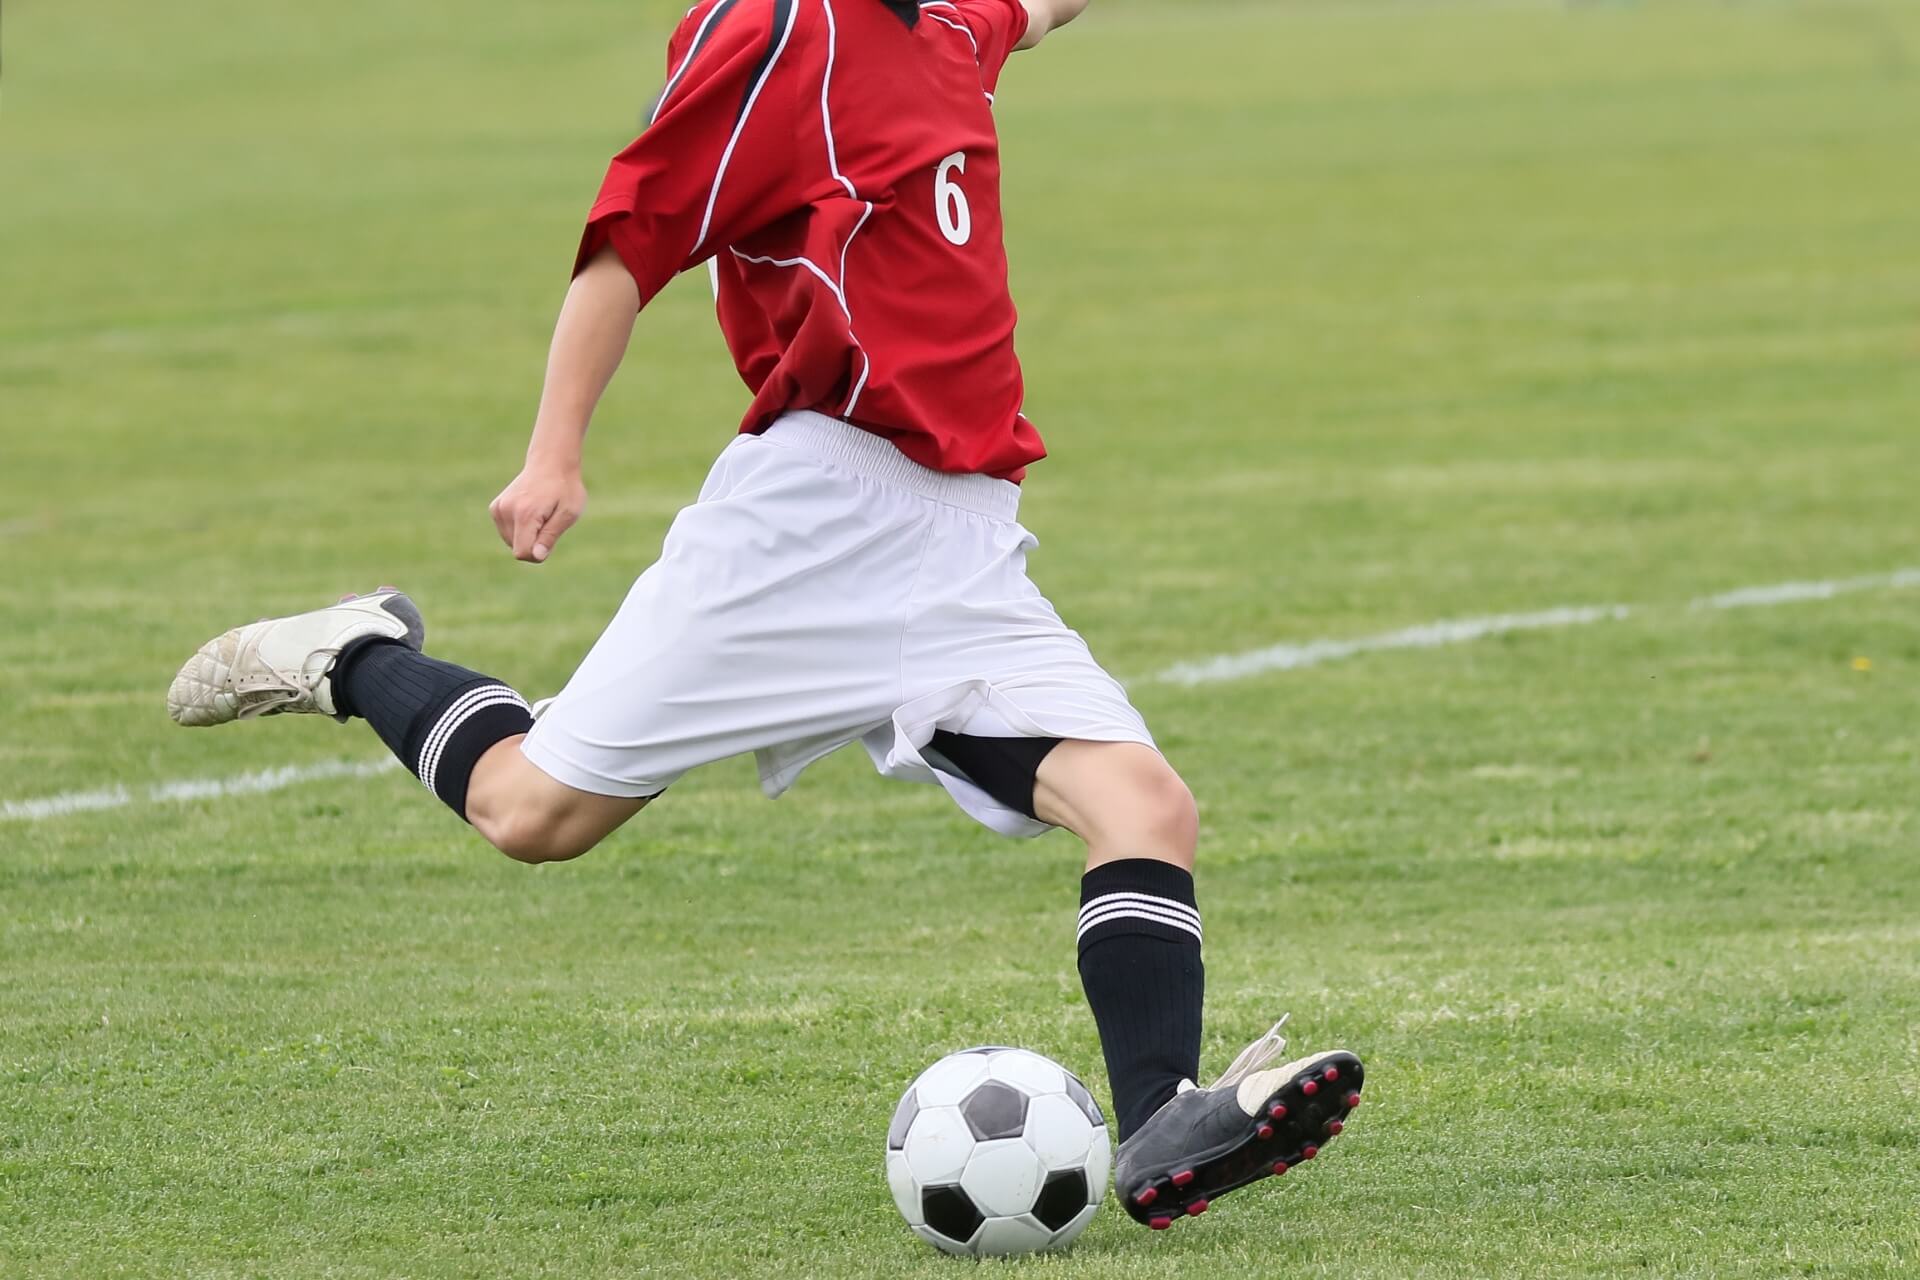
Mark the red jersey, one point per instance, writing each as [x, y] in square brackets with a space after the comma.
[842, 171]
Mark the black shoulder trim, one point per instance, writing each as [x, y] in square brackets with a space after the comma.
[713, 22]
[782, 15]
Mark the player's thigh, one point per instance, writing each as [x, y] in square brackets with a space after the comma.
[1122, 798]
[531, 816]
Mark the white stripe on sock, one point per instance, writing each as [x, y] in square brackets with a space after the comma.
[507, 698]
[436, 737]
[464, 708]
[449, 725]
[1136, 908]
[1137, 913]
[1138, 899]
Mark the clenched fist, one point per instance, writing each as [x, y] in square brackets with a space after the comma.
[542, 503]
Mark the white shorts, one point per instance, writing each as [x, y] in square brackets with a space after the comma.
[823, 589]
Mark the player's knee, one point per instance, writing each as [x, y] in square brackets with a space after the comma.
[1150, 808]
[1167, 809]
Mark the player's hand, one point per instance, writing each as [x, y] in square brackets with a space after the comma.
[543, 502]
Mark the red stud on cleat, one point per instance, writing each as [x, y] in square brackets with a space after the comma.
[1159, 1224]
[1330, 1074]
[1309, 1087]
[1182, 1178]
[1265, 1131]
[1147, 1197]
[1353, 1100]
[1334, 1126]
[1279, 1167]
[1197, 1208]
[1308, 1153]
[1278, 1111]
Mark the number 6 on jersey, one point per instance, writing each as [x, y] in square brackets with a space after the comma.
[950, 202]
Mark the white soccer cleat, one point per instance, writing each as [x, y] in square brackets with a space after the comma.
[279, 666]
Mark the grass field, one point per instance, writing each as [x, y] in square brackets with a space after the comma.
[1338, 319]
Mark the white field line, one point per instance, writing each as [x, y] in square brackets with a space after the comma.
[1790, 592]
[240, 784]
[1428, 635]
[1433, 635]
[1232, 666]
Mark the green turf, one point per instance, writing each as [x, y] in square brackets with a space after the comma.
[1338, 320]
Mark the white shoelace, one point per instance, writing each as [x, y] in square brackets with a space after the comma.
[1257, 1056]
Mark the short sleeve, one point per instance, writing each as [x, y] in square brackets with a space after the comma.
[715, 163]
[996, 26]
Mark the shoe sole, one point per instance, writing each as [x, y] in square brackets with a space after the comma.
[1293, 1126]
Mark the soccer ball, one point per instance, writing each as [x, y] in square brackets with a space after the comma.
[997, 1151]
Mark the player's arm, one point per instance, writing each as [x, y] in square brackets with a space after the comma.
[589, 339]
[714, 163]
[1047, 15]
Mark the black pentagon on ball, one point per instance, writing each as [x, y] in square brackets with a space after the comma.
[985, 1048]
[1064, 1196]
[1084, 1100]
[902, 1119]
[949, 1212]
[995, 1110]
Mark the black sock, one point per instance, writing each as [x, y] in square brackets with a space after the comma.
[1140, 966]
[438, 718]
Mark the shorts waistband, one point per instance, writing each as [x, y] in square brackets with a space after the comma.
[845, 445]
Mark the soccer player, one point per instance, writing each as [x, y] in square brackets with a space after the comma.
[853, 568]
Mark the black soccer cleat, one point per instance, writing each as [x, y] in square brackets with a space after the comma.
[1255, 1122]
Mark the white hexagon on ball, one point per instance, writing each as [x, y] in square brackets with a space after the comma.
[1099, 1163]
[938, 1145]
[952, 1078]
[1003, 1177]
[906, 1192]
[1058, 1131]
[1001, 1236]
[1029, 1071]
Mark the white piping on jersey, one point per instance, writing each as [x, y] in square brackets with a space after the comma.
[726, 157]
[826, 115]
[673, 81]
[957, 26]
[961, 27]
[837, 287]
[833, 165]
[808, 263]
[866, 366]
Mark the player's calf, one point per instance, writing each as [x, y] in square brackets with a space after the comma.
[529, 816]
